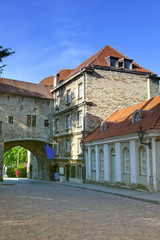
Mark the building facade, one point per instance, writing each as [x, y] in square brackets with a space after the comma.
[63, 109]
[115, 155]
[85, 96]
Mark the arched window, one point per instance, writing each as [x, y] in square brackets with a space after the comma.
[126, 157]
[101, 160]
[143, 161]
[136, 116]
[103, 126]
[93, 160]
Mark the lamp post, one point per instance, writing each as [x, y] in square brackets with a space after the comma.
[141, 136]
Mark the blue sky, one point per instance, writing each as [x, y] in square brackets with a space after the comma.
[50, 35]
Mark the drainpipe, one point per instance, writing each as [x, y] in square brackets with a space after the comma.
[83, 131]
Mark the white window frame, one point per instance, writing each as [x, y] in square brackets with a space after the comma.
[68, 121]
[57, 149]
[79, 146]
[80, 90]
[57, 124]
[68, 146]
[126, 156]
[80, 118]
[143, 161]
[101, 157]
[68, 96]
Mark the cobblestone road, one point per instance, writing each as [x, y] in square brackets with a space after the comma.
[54, 212]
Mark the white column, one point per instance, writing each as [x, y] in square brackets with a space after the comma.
[148, 164]
[97, 163]
[86, 156]
[106, 163]
[118, 162]
[154, 164]
[133, 161]
[89, 163]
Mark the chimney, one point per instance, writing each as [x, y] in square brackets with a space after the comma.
[56, 79]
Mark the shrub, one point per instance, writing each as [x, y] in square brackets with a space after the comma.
[22, 172]
[11, 172]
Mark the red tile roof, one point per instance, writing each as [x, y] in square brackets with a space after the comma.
[24, 88]
[63, 74]
[120, 122]
[99, 59]
[49, 81]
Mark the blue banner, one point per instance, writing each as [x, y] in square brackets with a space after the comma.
[49, 151]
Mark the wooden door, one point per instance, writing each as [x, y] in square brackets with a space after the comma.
[67, 172]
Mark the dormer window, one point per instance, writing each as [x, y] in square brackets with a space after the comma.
[136, 116]
[125, 63]
[112, 61]
[103, 126]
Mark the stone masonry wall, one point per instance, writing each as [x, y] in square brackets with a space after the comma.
[19, 107]
[110, 91]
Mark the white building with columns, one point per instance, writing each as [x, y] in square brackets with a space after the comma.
[115, 155]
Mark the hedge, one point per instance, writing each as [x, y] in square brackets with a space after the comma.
[11, 172]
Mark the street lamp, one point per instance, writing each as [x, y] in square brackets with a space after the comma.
[141, 136]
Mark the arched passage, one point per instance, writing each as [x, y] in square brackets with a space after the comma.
[34, 146]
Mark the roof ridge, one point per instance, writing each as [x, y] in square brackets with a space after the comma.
[100, 51]
[19, 81]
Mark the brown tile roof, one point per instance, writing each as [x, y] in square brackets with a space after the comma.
[120, 122]
[49, 81]
[63, 74]
[24, 88]
[98, 59]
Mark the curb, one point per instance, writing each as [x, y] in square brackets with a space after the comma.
[115, 194]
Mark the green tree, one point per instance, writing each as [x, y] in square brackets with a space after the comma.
[11, 157]
[4, 52]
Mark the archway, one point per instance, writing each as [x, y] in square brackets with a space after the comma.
[36, 147]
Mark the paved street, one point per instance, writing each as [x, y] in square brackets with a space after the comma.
[32, 210]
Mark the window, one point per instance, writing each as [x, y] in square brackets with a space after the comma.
[79, 171]
[128, 64]
[57, 125]
[101, 160]
[46, 123]
[79, 118]
[80, 90]
[61, 170]
[79, 146]
[57, 101]
[68, 121]
[57, 149]
[33, 120]
[28, 120]
[136, 116]
[10, 119]
[68, 97]
[126, 156]
[68, 146]
[143, 161]
[73, 171]
[113, 62]
[93, 160]
[103, 126]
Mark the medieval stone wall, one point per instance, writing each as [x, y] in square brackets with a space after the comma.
[110, 91]
[17, 108]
